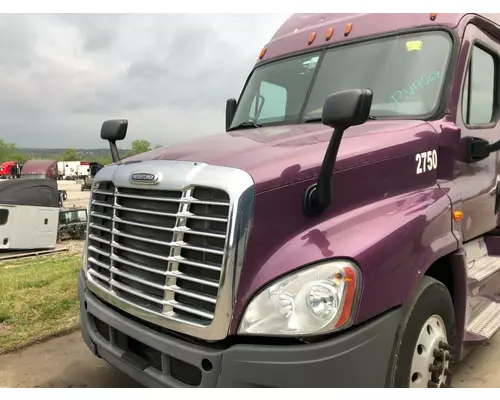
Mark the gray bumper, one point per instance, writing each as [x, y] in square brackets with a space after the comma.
[358, 358]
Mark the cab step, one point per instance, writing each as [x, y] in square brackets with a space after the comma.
[483, 301]
[484, 317]
[482, 268]
[480, 265]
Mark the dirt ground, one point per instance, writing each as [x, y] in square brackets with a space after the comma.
[62, 362]
[67, 362]
[75, 195]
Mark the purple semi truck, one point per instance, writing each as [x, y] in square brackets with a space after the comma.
[342, 232]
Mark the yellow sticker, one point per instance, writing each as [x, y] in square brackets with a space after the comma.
[414, 45]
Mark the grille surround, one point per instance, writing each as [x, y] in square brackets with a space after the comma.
[182, 177]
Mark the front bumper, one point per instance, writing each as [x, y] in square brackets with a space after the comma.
[358, 358]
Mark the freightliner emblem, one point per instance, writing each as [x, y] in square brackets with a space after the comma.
[144, 178]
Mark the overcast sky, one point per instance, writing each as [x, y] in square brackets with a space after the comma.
[168, 74]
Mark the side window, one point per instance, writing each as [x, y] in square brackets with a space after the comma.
[479, 94]
[4, 216]
[270, 104]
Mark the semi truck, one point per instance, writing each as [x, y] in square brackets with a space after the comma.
[43, 169]
[71, 170]
[10, 169]
[94, 168]
[342, 232]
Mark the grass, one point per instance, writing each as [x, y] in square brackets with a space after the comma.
[38, 299]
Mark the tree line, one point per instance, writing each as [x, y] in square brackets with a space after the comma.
[9, 152]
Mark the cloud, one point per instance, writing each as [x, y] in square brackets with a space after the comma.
[62, 75]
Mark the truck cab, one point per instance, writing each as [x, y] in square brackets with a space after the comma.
[87, 180]
[342, 232]
[9, 169]
[40, 169]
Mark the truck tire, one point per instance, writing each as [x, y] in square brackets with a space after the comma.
[424, 348]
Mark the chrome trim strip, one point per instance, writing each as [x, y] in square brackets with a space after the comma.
[181, 176]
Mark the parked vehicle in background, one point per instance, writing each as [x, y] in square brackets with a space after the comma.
[83, 170]
[42, 169]
[36, 169]
[343, 232]
[14, 171]
[73, 170]
[94, 167]
[9, 170]
[69, 170]
[60, 170]
[29, 214]
[72, 223]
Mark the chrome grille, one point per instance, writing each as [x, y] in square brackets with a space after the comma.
[161, 250]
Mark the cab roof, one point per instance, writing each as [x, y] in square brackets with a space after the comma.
[294, 34]
[38, 166]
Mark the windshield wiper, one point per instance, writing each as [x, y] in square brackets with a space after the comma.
[319, 119]
[245, 125]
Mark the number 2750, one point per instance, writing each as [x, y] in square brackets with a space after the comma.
[426, 161]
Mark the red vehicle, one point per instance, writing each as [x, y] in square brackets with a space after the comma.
[6, 169]
[44, 169]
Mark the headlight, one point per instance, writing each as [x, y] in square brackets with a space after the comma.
[314, 300]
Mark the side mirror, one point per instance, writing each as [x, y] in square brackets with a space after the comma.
[340, 111]
[347, 108]
[477, 149]
[230, 111]
[112, 131]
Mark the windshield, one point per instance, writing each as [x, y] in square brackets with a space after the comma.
[405, 73]
[70, 217]
[34, 176]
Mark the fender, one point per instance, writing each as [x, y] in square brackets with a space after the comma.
[394, 241]
[458, 264]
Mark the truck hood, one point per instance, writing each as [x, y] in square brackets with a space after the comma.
[282, 155]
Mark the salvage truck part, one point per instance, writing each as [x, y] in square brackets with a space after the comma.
[29, 212]
[72, 224]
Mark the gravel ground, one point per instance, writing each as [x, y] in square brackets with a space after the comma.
[63, 362]
[75, 195]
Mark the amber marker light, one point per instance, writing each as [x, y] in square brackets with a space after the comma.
[433, 17]
[458, 215]
[312, 36]
[348, 29]
[329, 34]
[350, 279]
[262, 53]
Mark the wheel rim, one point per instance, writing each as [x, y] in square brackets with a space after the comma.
[431, 357]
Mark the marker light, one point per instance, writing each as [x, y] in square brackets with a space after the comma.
[312, 36]
[348, 29]
[262, 53]
[433, 17]
[458, 215]
[329, 34]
